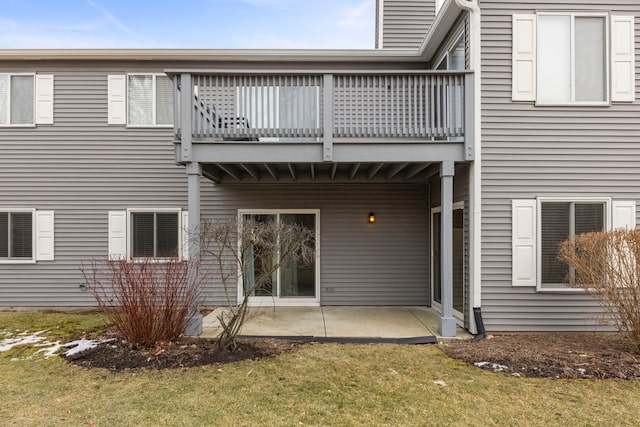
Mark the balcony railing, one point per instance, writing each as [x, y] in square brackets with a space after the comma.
[423, 106]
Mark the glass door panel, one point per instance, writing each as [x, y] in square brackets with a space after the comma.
[254, 283]
[289, 280]
[298, 281]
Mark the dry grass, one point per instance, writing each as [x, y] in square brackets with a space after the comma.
[316, 385]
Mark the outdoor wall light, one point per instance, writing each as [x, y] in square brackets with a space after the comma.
[372, 218]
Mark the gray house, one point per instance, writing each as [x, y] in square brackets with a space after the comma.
[477, 135]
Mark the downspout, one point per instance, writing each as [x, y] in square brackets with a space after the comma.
[476, 324]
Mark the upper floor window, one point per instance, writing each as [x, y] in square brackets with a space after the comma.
[573, 58]
[140, 100]
[16, 99]
[149, 100]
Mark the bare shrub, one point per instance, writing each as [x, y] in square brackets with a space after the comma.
[265, 246]
[607, 265]
[147, 301]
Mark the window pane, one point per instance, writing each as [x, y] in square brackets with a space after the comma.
[21, 235]
[4, 235]
[140, 100]
[437, 259]
[590, 59]
[296, 281]
[164, 101]
[4, 98]
[167, 234]
[589, 217]
[255, 263]
[142, 224]
[458, 260]
[554, 59]
[21, 100]
[457, 56]
[554, 230]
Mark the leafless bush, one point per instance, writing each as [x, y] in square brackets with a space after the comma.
[607, 265]
[147, 301]
[265, 246]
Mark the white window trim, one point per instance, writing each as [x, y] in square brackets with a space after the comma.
[153, 102]
[607, 59]
[288, 301]
[560, 287]
[458, 315]
[131, 211]
[33, 236]
[8, 118]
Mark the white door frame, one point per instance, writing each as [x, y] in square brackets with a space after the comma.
[457, 314]
[276, 300]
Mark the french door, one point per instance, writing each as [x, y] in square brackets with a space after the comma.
[458, 259]
[290, 284]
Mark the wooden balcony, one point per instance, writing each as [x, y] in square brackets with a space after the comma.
[319, 117]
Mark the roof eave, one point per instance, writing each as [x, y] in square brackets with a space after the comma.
[257, 55]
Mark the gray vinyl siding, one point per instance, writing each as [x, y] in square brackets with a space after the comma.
[405, 22]
[80, 168]
[366, 264]
[529, 152]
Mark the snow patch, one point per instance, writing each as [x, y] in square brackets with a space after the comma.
[46, 348]
[82, 345]
[494, 366]
[23, 338]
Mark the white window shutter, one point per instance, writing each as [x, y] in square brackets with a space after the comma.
[116, 99]
[185, 235]
[117, 235]
[44, 236]
[44, 99]
[523, 78]
[624, 214]
[524, 252]
[622, 59]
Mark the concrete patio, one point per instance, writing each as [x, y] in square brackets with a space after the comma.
[332, 321]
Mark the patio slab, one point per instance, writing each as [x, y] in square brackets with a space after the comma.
[334, 321]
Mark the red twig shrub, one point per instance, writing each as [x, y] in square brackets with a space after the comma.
[147, 301]
[607, 265]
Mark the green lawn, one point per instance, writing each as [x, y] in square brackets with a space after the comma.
[318, 384]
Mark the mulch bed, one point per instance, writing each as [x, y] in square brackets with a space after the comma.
[557, 355]
[187, 352]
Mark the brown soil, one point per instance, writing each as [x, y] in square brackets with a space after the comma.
[559, 355]
[187, 352]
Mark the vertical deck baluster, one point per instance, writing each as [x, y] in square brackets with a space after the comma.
[368, 106]
[420, 101]
[374, 106]
[385, 105]
[409, 107]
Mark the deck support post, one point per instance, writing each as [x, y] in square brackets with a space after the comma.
[446, 322]
[194, 172]
[186, 107]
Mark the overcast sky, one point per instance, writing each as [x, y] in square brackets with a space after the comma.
[187, 23]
